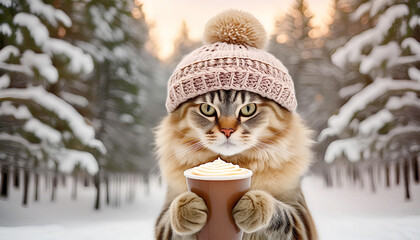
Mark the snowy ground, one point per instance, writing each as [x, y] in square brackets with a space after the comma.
[349, 213]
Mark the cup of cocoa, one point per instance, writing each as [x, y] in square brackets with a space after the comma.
[221, 185]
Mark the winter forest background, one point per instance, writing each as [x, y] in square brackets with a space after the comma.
[81, 87]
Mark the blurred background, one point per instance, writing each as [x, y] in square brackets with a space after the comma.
[82, 84]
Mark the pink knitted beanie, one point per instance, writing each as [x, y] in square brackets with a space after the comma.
[232, 58]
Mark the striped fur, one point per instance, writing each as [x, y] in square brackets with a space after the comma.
[276, 147]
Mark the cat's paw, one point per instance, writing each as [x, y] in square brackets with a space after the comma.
[254, 211]
[188, 213]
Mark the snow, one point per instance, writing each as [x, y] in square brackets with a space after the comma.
[43, 131]
[352, 50]
[49, 101]
[360, 11]
[4, 81]
[37, 30]
[7, 51]
[375, 122]
[74, 99]
[414, 73]
[6, 3]
[126, 118]
[103, 30]
[347, 213]
[20, 112]
[351, 148]
[80, 62]
[14, 138]
[68, 159]
[414, 21]
[378, 55]
[5, 29]
[349, 91]
[383, 140]
[408, 99]
[42, 62]
[49, 12]
[413, 45]
[378, 5]
[359, 101]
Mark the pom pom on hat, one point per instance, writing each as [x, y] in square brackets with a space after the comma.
[237, 27]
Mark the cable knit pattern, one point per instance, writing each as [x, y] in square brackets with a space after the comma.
[230, 66]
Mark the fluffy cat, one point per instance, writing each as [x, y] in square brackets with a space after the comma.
[245, 129]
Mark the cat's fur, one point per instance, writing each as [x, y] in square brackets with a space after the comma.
[275, 146]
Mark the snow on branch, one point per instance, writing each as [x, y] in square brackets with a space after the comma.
[375, 122]
[35, 27]
[80, 62]
[84, 132]
[5, 29]
[18, 139]
[68, 159]
[4, 81]
[352, 50]
[378, 55]
[337, 123]
[20, 112]
[383, 140]
[49, 12]
[43, 131]
[408, 99]
[414, 74]
[352, 148]
[42, 62]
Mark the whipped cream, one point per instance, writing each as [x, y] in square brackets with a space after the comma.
[218, 170]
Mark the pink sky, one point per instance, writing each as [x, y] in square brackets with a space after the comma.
[167, 15]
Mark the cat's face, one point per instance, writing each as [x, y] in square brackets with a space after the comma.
[229, 122]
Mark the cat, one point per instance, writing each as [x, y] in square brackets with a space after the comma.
[254, 132]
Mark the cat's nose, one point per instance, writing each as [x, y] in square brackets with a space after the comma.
[227, 131]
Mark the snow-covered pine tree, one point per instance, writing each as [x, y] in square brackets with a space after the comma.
[126, 88]
[39, 129]
[304, 54]
[379, 125]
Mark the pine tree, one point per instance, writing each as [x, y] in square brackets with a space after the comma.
[38, 127]
[307, 60]
[380, 123]
[115, 35]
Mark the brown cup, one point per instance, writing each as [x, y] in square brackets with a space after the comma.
[221, 195]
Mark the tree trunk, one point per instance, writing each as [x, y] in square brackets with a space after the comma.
[107, 189]
[388, 182]
[98, 190]
[54, 186]
[16, 178]
[407, 180]
[415, 167]
[4, 182]
[36, 197]
[371, 177]
[74, 192]
[397, 173]
[25, 187]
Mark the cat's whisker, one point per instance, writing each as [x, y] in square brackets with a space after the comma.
[184, 147]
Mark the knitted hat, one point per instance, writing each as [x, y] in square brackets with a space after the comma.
[232, 58]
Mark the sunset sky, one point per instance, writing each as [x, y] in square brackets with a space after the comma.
[166, 16]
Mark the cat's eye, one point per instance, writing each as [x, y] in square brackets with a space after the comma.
[207, 110]
[248, 110]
